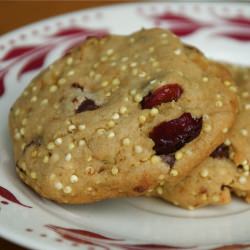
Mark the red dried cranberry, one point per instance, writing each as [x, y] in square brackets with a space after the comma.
[221, 152]
[87, 105]
[173, 135]
[166, 93]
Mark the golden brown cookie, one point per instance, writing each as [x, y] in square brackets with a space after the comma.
[90, 126]
[227, 169]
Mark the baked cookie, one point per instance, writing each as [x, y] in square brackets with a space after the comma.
[227, 169]
[117, 116]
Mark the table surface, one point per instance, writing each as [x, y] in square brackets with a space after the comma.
[15, 14]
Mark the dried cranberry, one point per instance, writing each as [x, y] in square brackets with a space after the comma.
[87, 105]
[173, 135]
[166, 93]
[221, 152]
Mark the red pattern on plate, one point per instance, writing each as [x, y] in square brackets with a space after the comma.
[238, 35]
[34, 63]
[6, 194]
[184, 30]
[37, 54]
[183, 25]
[238, 20]
[93, 239]
[17, 51]
[81, 236]
[79, 232]
[76, 31]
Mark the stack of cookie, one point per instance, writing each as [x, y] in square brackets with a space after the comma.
[134, 115]
[226, 170]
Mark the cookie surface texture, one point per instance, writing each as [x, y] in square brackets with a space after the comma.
[89, 127]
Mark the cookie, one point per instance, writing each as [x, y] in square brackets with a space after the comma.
[90, 126]
[226, 171]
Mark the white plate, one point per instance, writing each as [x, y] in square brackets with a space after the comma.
[222, 31]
